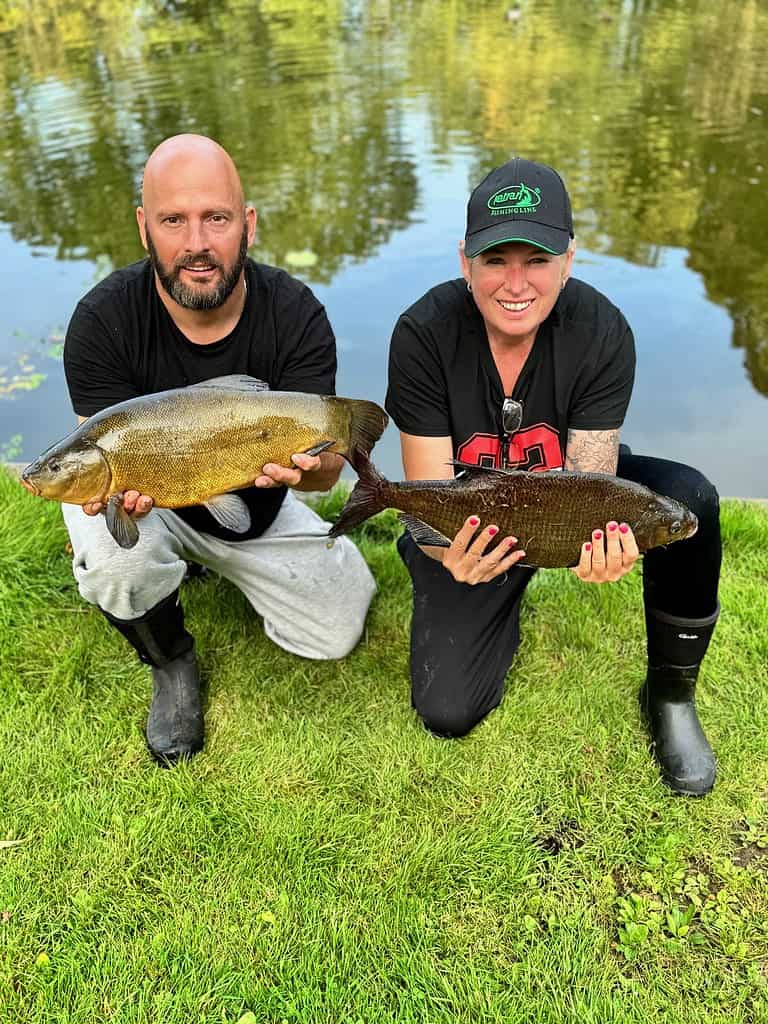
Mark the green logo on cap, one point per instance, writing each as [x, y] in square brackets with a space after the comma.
[514, 199]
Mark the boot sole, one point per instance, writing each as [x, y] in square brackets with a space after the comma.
[167, 759]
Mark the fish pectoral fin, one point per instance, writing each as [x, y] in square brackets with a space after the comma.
[229, 511]
[422, 532]
[233, 382]
[321, 446]
[123, 529]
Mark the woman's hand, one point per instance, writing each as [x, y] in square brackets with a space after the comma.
[607, 560]
[467, 561]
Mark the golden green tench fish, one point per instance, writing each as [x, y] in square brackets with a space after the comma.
[193, 445]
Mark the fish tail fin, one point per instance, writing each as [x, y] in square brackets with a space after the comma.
[369, 496]
[367, 423]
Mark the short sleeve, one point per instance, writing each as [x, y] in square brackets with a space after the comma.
[97, 374]
[306, 343]
[416, 399]
[602, 395]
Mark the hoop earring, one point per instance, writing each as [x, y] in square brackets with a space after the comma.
[469, 287]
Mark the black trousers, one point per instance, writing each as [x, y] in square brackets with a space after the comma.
[463, 638]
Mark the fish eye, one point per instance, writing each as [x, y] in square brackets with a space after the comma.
[676, 526]
[54, 466]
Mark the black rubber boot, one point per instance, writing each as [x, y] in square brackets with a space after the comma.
[676, 648]
[175, 723]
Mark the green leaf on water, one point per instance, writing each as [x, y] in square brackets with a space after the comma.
[19, 383]
[11, 449]
[301, 258]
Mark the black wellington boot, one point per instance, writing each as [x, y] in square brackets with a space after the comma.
[175, 723]
[676, 648]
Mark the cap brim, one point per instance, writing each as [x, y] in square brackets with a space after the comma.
[553, 240]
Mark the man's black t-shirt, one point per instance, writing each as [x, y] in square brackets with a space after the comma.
[443, 381]
[122, 342]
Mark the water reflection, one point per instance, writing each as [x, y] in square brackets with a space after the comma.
[343, 116]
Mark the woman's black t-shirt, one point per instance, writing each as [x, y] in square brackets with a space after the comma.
[122, 343]
[443, 381]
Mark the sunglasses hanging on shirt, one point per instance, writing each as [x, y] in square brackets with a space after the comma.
[511, 418]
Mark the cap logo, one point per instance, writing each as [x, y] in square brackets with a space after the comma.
[514, 199]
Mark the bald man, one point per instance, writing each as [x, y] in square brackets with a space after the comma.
[198, 307]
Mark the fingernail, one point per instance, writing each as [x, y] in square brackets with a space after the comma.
[598, 535]
[624, 528]
[612, 526]
[511, 542]
[493, 530]
[473, 521]
[587, 546]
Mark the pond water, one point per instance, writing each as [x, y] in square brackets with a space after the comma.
[359, 129]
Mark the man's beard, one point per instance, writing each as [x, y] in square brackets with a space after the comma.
[197, 298]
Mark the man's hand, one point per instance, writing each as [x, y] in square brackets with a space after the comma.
[607, 561]
[273, 475]
[466, 560]
[309, 472]
[135, 504]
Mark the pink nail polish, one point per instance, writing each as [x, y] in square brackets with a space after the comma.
[473, 521]
[598, 534]
[587, 547]
[493, 530]
[611, 527]
[624, 528]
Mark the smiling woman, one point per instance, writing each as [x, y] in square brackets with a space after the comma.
[530, 370]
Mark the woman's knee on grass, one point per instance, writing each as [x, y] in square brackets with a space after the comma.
[449, 721]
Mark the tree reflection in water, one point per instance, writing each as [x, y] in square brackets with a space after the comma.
[652, 111]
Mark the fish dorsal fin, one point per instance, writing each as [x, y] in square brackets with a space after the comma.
[234, 382]
[119, 523]
[469, 468]
[229, 511]
[422, 532]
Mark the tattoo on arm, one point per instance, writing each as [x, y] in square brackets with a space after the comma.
[592, 451]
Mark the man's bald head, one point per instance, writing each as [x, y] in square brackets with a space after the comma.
[193, 222]
[187, 159]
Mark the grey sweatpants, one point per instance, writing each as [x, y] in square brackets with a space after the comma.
[312, 593]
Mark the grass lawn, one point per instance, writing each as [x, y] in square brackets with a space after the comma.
[325, 860]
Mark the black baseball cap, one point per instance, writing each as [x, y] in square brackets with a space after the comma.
[520, 201]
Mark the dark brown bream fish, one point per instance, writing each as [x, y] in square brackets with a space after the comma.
[552, 514]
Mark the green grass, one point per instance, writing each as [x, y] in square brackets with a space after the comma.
[325, 860]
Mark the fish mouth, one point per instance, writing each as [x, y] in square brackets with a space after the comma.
[32, 488]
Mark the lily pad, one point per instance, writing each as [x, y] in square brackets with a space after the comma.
[301, 258]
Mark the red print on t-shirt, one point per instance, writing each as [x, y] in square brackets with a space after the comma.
[535, 448]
